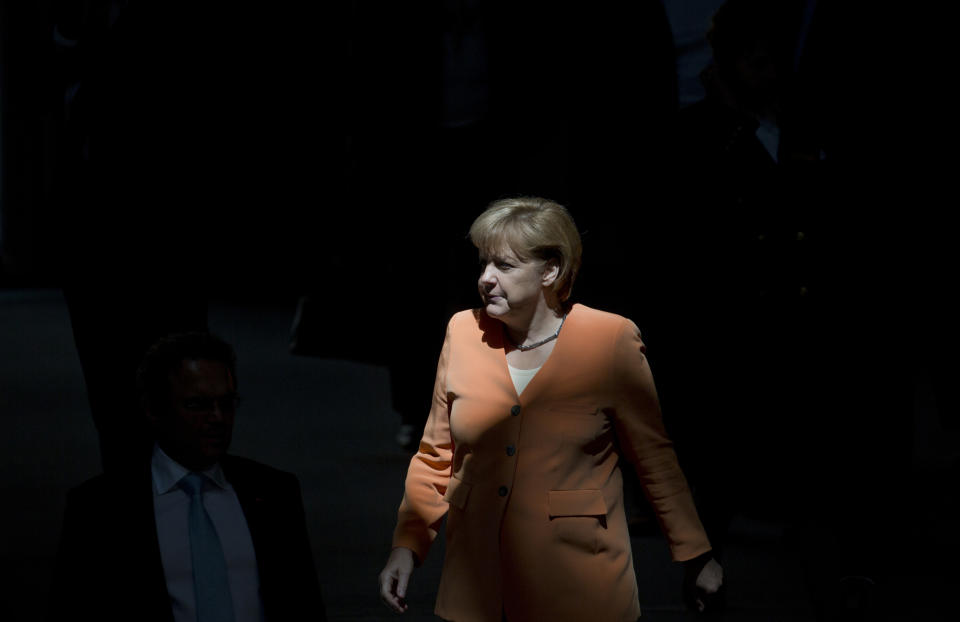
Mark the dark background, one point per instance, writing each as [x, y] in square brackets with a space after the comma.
[254, 155]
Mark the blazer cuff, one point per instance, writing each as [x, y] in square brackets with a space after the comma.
[418, 543]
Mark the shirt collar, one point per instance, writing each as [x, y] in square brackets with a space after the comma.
[167, 472]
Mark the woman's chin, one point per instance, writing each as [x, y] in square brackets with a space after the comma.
[495, 309]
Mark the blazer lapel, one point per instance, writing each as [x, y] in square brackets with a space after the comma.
[493, 336]
[492, 351]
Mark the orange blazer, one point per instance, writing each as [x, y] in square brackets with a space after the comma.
[530, 484]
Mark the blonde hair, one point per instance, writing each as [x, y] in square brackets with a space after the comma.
[532, 227]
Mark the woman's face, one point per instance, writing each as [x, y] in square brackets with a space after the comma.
[508, 284]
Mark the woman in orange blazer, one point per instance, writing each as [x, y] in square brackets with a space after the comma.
[534, 402]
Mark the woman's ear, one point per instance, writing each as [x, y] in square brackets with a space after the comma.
[551, 270]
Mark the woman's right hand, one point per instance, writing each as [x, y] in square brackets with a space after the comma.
[395, 576]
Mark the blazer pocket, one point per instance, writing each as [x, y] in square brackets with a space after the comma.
[585, 502]
[579, 519]
[457, 492]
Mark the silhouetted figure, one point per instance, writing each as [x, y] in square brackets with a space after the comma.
[742, 241]
[779, 311]
[190, 532]
[133, 205]
[180, 171]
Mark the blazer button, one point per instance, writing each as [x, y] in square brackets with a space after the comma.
[503, 491]
[511, 450]
[515, 410]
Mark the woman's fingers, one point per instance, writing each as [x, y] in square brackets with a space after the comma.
[709, 585]
[390, 591]
[403, 579]
[710, 578]
[394, 579]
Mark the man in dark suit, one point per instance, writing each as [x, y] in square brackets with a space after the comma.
[192, 533]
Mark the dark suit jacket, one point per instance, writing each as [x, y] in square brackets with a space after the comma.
[109, 565]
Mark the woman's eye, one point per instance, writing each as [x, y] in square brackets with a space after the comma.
[503, 266]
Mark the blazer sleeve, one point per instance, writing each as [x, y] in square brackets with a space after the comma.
[644, 442]
[423, 505]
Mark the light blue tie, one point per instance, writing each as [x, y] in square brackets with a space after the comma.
[210, 583]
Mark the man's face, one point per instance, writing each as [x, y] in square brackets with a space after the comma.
[196, 427]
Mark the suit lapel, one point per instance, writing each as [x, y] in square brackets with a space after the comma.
[253, 507]
[244, 487]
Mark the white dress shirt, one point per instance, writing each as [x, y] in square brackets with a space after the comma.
[170, 508]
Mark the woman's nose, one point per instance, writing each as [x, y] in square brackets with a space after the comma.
[487, 274]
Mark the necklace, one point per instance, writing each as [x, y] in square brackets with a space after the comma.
[538, 343]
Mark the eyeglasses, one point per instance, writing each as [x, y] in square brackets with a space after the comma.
[227, 403]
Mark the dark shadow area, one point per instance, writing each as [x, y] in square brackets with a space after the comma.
[301, 180]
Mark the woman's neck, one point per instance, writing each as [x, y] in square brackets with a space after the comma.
[542, 322]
